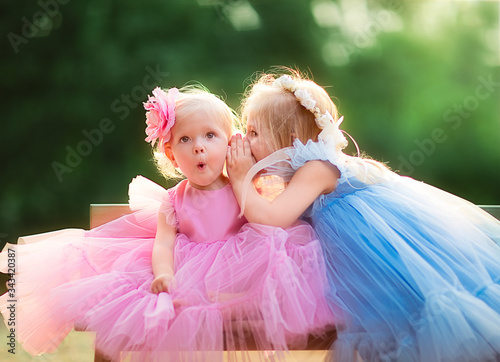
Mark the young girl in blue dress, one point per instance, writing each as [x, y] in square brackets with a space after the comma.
[414, 271]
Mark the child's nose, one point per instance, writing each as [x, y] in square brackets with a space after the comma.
[199, 148]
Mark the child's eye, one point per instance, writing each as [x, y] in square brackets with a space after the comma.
[210, 135]
[184, 139]
[252, 133]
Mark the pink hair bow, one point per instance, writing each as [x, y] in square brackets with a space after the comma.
[160, 115]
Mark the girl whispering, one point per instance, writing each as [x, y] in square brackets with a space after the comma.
[414, 272]
[182, 277]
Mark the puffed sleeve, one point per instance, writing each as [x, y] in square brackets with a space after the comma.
[167, 207]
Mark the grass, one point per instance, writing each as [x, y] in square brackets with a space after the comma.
[77, 347]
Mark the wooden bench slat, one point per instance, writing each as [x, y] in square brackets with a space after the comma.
[492, 209]
[103, 213]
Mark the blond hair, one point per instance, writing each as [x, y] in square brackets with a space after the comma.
[278, 114]
[194, 99]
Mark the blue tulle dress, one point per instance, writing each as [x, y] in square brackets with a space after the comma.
[414, 271]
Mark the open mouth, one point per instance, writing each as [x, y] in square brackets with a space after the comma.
[202, 166]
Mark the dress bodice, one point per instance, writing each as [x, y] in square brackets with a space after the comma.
[206, 216]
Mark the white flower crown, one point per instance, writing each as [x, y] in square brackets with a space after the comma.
[330, 129]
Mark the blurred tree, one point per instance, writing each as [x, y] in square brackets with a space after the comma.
[75, 74]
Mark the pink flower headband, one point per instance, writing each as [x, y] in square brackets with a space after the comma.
[160, 115]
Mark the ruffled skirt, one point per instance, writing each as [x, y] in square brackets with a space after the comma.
[262, 288]
[414, 274]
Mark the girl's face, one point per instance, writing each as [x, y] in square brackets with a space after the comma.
[198, 147]
[258, 145]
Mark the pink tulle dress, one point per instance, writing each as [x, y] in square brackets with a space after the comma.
[235, 283]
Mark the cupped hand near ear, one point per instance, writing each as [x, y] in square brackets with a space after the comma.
[239, 158]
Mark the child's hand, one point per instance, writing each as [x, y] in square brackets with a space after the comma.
[162, 283]
[239, 159]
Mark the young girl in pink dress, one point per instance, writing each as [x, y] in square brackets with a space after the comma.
[182, 277]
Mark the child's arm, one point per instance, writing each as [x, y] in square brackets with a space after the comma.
[309, 182]
[163, 255]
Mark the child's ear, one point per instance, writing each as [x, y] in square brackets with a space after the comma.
[169, 154]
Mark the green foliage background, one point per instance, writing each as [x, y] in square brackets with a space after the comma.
[398, 70]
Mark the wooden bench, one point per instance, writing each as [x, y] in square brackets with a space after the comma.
[316, 347]
[103, 213]
[492, 209]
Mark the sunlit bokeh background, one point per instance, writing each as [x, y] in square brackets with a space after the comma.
[417, 81]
